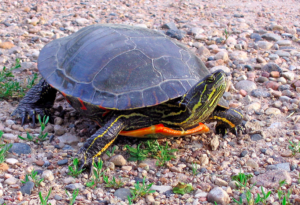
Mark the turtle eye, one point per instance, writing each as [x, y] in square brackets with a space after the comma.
[210, 79]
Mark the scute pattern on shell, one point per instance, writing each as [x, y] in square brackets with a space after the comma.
[120, 67]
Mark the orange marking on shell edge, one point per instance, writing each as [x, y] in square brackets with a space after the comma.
[51, 85]
[160, 128]
[82, 104]
[64, 94]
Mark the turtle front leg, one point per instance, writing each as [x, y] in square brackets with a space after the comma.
[230, 120]
[101, 140]
[36, 101]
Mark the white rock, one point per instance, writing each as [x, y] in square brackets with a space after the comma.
[288, 75]
[48, 175]
[238, 55]
[199, 193]
[11, 181]
[222, 55]
[11, 161]
[224, 68]
[252, 163]
[284, 43]
[220, 182]
[264, 45]
[68, 138]
[161, 189]
[69, 180]
[214, 143]
[272, 111]
[9, 122]
[81, 21]
[219, 196]
[10, 136]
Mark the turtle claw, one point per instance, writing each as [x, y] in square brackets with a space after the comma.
[23, 120]
[24, 111]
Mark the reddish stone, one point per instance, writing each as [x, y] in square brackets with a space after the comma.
[272, 84]
[276, 93]
[265, 74]
[234, 105]
[4, 167]
[210, 64]
[202, 199]
[40, 162]
[220, 62]
[275, 74]
[243, 92]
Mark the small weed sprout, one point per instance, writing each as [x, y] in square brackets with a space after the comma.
[34, 178]
[140, 191]
[264, 197]
[41, 137]
[295, 148]
[137, 154]
[164, 155]
[283, 196]
[152, 148]
[97, 174]
[242, 179]
[45, 201]
[182, 188]
[75, 171]
[194, 169]
[4, 149]
[72, 198]
[110, 154]
[11, 88]
[114, 183]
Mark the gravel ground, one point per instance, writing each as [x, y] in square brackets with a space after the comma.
[260, 53]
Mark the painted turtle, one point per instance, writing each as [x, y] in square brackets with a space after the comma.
[133, 82]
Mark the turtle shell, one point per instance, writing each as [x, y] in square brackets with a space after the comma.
[120, 67]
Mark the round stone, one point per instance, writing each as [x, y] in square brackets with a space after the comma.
[272, 84]
[48, 175]
[224, 68]
[11, 161]
[256, 137]
[123, 193]
[244, 153]
[260, 93]
[272, 111]
[271, 67]
[62, 162]
[118, 160]
[246, 85]
[27, 188]
[20, 148]
[262, 79]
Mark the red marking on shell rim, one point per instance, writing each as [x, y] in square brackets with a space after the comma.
[106, 110]
[103, 108]
[64, 94]
[82, 104]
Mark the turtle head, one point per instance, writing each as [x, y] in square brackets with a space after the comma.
[202, 98]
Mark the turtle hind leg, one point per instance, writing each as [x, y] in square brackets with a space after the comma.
[101, 140]
[37, 100]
